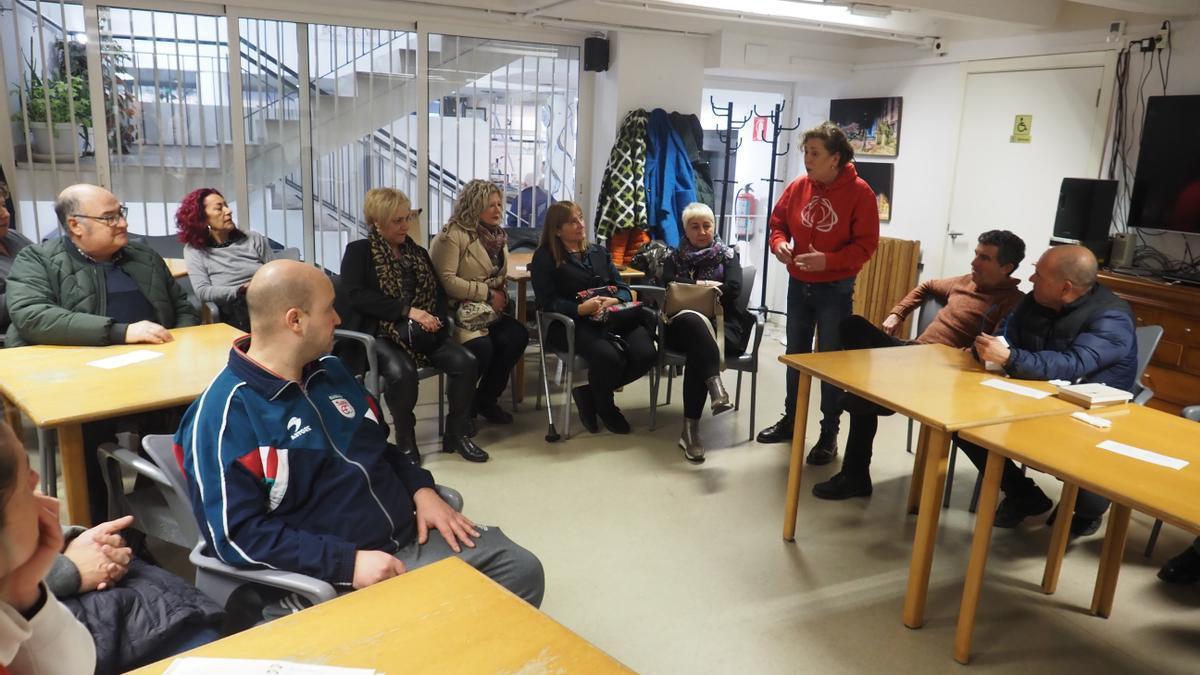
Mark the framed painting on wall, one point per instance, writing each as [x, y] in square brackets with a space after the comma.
[872, 125]
[879, 176]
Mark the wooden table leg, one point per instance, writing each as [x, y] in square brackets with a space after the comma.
[518, 373]
[1059, 537]
[927, 523]
[12, 415]
[914, 484]
[1110, 559]
[70, 452]
[985, 516]
[796, 464]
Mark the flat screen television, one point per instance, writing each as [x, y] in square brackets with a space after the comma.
[1166, 187]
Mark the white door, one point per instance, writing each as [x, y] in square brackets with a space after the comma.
[1001, 184]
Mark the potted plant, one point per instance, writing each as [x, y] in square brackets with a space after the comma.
[48, 110]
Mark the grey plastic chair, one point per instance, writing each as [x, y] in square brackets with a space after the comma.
[214, 578]
[1192, 412]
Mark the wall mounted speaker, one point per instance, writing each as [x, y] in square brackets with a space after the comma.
[595, 54]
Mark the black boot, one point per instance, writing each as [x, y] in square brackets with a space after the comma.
[464, 446]
[407, 444]
[1183, 568]
[585, 403]
[825, 449]
[493, 413]
[780, 432]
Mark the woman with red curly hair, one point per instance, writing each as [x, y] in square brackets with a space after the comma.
[220, 257]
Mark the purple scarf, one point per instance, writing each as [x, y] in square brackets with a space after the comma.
[702, 264]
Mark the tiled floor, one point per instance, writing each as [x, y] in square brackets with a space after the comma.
[673, 568]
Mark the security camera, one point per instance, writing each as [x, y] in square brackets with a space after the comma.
[939, 47]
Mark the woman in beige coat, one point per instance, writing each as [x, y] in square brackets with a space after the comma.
[470, 255]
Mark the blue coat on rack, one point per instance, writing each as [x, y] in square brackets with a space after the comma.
[670, 185]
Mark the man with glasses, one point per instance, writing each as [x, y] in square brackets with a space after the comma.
[93, 287]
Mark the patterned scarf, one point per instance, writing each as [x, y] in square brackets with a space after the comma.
[409, 277]
[493, 238]
[702, 264]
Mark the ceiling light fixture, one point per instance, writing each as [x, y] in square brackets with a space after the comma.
[870, 11]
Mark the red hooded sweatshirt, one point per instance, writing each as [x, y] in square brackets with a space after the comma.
[840, 220]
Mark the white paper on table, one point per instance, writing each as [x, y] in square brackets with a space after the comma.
[193, 665]
[126, 359]
[1003, 385]
[1143, 455]
[519, 268]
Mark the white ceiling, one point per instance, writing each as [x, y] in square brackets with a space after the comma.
[832, 23]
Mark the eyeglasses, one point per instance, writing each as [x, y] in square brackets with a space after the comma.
[110, 220]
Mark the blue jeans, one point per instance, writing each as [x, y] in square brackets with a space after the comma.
[819, 308]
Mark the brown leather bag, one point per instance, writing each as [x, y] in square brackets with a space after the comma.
[700, 298]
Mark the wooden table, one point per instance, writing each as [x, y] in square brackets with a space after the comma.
[935, 385]
[518, 271]
[177, 266]
[443, 618]
[56, 388]
[1066, 448]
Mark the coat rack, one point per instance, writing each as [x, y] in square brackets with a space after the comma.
[775, 154]
[732, 130]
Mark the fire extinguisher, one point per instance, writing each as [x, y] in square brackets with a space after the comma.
[745, 206]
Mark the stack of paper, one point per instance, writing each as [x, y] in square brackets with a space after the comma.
[202, 666]
[1092, 395]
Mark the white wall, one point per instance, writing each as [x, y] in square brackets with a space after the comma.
[645, 71]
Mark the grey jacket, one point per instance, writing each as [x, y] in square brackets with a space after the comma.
[218, 271]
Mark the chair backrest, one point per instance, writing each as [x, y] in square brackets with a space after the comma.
[166, 245]
[160, 448]
[1192, 412]
[928, 310]
[748, 274]
[886, 278]
[290, 253]
[1147, 342]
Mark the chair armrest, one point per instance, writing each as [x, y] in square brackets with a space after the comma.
[128, 458]
[545, 319]
[1192, 412]
[368, 343]
[310, 587]
[451, 496]
[760, 327]
[1143, 395]
[212, 311]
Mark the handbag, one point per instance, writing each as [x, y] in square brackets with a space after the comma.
[475, 315]
[701, 299]
[419, 339]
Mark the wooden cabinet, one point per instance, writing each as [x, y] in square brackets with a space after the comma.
[1174, 371]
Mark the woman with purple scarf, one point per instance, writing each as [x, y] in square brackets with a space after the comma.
[703, 258]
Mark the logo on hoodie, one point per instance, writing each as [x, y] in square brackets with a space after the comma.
[819, 215]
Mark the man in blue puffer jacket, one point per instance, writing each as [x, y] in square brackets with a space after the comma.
[289, 466]
[1070, 328]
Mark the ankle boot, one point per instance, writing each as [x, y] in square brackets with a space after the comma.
[718, 395]
[407, 442]
[689, 441]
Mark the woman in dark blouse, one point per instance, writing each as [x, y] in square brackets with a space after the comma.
[392, 287]
[563, 265]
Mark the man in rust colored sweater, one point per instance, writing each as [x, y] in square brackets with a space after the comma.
[973, 303]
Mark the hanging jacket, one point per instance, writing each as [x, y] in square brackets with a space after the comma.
[622, 201]
[669, 184]
[689, 130]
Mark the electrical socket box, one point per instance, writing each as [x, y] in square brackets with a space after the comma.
[1163, 39]
[1116, 31]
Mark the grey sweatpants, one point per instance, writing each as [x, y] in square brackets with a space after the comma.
[495, 555]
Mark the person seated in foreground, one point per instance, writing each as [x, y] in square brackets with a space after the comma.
[1070, 328]
[973, 303]
[289, 466]
[38, 636]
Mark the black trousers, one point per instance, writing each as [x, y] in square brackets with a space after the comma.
[858, 333]
[401, 384]
[609, 367]
[819, 308]
[495, 355]
[688, 334]
[1015, 484]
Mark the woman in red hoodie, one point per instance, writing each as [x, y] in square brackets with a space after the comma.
[824, 227]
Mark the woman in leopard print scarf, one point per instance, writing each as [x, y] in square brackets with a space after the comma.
[390, 282]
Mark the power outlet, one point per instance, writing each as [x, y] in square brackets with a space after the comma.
[1163, 39]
